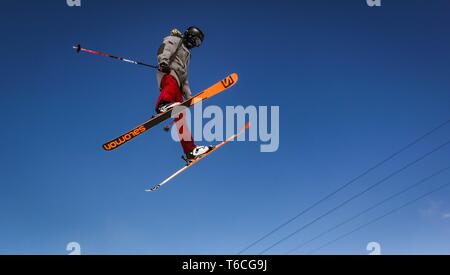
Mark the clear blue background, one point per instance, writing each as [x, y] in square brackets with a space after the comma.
[354, 84]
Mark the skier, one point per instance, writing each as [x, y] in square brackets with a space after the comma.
[173, 60]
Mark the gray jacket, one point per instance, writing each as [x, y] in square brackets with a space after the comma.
[173, 52]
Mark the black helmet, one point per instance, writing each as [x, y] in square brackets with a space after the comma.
[193, 37]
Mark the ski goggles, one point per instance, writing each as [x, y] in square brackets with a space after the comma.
[196, 41]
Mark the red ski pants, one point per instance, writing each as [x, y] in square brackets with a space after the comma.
[170, 93]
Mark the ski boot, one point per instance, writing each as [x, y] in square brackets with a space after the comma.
[162, 108]
[198, 152]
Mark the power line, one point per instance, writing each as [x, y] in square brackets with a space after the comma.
[371, 208]
[406, 147]
[381, 217]
[357, 195]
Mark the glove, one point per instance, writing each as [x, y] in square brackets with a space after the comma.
[163, 67]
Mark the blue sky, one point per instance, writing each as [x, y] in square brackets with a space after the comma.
[354, 84]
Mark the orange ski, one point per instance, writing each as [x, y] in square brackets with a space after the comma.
[156, 187]
[217, 88]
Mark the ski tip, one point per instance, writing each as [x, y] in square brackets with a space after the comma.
[106, 147]
[235, 76]
[247, 125]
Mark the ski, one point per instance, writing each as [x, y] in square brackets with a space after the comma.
[215, 89]
[156, 187]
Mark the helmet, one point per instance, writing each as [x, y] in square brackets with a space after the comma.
[193, 37]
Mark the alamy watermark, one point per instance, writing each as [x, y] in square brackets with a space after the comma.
[373, 3]
[212, 123]
[73, 248]
[374, 248]
[77, 3]
[73, 3]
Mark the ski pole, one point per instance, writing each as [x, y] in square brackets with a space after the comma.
[78, 48]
